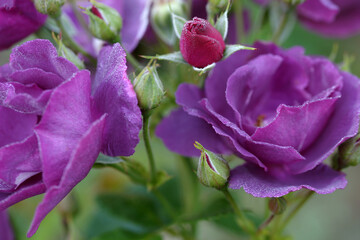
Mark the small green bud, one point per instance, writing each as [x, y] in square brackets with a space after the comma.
[49, 7]
[149, 88]
[161, 18]
[213, 170]
[349, 153]
[105, 22]
[277, 205]
[67, 53]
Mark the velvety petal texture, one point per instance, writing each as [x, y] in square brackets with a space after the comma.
[18, 19]
[282, 112]
[52, 128]
[114, 95]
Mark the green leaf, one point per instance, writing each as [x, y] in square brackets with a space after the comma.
[222, 23]
[205, 69]
[178, 23]
[230, 49]
[172, 57]
[160, 178]
[103, 159]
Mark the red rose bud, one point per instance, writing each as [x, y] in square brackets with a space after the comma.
[200, 43]
[96, 12]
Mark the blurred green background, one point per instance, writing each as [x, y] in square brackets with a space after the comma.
[324, 217]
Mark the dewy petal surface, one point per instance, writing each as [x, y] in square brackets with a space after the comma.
[255, 181]
[114, 95]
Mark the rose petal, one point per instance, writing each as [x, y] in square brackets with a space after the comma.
[5, 227]
[41, 54]
[67, 117]
[18, 162]
[343, 124]
[114, 95]
[32, 187]
[15, 126]
[179, 131]
[318, 10]
[18, 20]
[45, 80]
[257, 182]
[82, 158]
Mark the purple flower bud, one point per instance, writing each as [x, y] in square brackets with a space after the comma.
[200, 43]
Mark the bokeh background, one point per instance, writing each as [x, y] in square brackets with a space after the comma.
[324, 217]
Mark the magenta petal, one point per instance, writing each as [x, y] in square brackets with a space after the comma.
[67, 117]
[32, 187]
[18, 19]
[318, 10]
[179, 131]
[136, 19]
[5, 227]
[28, 99]
[114, 95]
[18, 162]
[15, 126]
[343, 124]
[81, 160]
[43, 55]
[45, 80]
[257, 182]
[297, 126]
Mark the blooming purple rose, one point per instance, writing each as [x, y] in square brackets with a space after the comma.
[135, 19]
[282, 112]
[5, 227]
[334, 18]
[18, 19]
[54, 122]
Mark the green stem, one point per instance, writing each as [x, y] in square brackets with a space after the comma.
[243, 222]
[266, 223]
[296, 210]
[239, 20]
[146, 118]
[71, 44]
[277, 35]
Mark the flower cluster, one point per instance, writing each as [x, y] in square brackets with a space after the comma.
[282, 112]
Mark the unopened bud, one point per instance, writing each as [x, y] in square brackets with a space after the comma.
[49, 7]
[161, 18]
[277, 205]
[349, 153]
[213, 170]
[105, 22]
[200, 43]
[149, 88]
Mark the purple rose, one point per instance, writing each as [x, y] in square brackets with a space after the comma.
[54, 122]
[135, 19]
[282, 112]
[335, 18]
[18, 19]
[5, 227]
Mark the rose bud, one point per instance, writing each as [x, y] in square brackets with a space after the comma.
[105, 22]
[213, 170]
[200, 43]
[149, 88]
[277, 205]
[50, 7]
